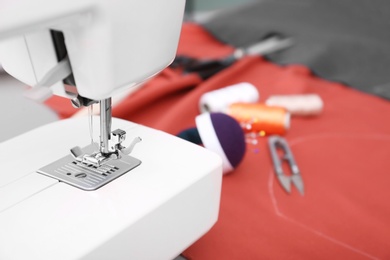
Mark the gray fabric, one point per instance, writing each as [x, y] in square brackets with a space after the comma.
[345, 41]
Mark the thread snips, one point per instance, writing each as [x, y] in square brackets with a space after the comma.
[280, 152]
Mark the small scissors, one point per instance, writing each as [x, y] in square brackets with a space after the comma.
[276, 142]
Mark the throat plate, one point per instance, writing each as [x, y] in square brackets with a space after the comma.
[87, 176]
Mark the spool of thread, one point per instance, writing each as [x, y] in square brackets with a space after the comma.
[220, 99]
[300, 105]
[261, 119]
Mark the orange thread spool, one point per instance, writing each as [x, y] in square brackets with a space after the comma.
[261, 119]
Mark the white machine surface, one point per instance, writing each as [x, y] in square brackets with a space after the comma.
[59, 200]
[155, 211]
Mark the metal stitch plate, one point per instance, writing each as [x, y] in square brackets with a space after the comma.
[88, 177]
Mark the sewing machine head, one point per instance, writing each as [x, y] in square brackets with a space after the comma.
[110, 44]
[86, 50]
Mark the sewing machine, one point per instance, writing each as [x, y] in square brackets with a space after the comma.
[136, 193]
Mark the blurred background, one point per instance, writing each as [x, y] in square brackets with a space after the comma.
[201, 10]
[342, 41]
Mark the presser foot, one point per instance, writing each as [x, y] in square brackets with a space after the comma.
[90, 171]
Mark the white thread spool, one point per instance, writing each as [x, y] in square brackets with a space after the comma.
[301, 105]
[220, 99]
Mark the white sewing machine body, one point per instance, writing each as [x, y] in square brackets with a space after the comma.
[155, 211]
[111, 45]
[166, 200]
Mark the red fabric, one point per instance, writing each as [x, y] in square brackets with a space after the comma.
[342, 154]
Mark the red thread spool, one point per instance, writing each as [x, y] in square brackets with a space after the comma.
[261, 119]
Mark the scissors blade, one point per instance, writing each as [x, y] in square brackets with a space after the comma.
[269, 46]
[298, 182]
[285, 182]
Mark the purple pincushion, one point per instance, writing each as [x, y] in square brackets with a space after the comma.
[230, 136]
[222, 134]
